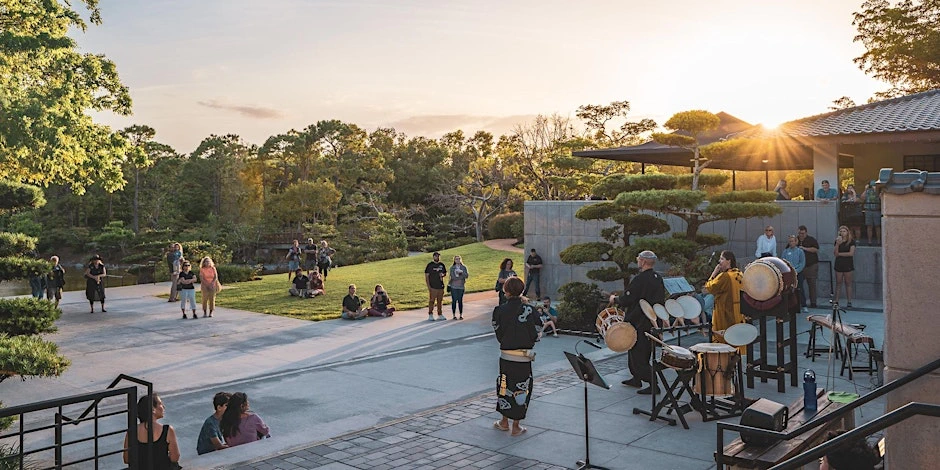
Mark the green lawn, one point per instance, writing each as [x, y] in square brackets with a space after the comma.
[403, 279]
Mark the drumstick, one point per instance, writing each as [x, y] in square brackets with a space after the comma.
[660, 342]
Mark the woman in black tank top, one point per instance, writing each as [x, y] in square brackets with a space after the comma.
[166, 451]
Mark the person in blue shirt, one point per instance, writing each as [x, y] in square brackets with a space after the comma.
[826, 193]
[548, 316]
[210, 436]
[794, 254]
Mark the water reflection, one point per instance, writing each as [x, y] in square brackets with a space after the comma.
[75, 280]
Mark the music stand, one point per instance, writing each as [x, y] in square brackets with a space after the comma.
[587, 373]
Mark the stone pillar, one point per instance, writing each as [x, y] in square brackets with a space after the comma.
[911, 228]
[825, 166]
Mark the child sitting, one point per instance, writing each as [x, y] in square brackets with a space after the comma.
[300, 283]
[548, 316]
[381, 303]
[352, 305]
[316, 283]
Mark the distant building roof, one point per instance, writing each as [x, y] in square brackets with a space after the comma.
[912, 118]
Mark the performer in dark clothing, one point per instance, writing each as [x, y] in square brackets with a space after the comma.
[648, 285]
[516, 330]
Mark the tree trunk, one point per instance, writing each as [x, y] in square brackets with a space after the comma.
[695, 170]
[136, 200]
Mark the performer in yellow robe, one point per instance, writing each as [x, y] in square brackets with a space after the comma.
[725, 284]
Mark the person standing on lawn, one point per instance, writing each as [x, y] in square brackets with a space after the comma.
[434, 274]
[293, 258]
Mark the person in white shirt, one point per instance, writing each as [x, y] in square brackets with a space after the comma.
[766, 243]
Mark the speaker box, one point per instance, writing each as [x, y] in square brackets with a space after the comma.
[764, 414]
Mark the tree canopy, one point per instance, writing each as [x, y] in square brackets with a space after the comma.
[902, 44]
[47, 90]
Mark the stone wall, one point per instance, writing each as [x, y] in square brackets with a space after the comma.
[551, 226]
[912, 293]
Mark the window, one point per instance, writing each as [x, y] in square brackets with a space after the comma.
[922, 162]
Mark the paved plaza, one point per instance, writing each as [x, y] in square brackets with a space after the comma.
[388, 393]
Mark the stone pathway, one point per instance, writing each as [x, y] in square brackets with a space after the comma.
[409, 443]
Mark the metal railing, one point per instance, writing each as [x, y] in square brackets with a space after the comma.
[882, 422]
[819, 421]
[92, 414]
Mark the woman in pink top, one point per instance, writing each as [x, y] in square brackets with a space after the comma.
[239, 425]
[209, 284]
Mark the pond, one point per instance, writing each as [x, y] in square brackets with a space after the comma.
[75, 280]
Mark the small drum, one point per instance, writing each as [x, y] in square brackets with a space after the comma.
[619, 335]
[674, 309]
[716, 364]
[690, 307]
[741, 334]
[648, 311]
[661, 312]
[677, 358]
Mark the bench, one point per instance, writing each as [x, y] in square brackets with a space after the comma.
[740, 455]
[853, 338]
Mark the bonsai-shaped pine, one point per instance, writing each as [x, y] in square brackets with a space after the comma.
[636, 198]
[23, 353]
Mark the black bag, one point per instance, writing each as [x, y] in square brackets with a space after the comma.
[448, 289]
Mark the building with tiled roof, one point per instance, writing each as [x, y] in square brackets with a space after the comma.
[901, 133]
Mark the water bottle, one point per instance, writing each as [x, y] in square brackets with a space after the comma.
[809, 391]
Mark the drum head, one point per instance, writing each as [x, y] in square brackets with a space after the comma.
[648, 310]
[661, 312]
[712, 348]
[762, 280]
[674, 308]
[741, 334]
[620, 337]
[690, 306]
[681, 352]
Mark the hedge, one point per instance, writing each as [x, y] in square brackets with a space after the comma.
[27, 316]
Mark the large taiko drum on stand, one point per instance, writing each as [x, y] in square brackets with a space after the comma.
[765, 280]
[716, 367]
[619, 335]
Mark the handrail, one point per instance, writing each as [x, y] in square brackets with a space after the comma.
[882, 422]
[114, 382]
[820, 420]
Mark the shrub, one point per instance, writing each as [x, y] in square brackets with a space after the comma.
[27, 316]
[518, 229]
[12, 244]
[443, 244]
[22, 268]
[237, 272]
[29, 356]
[500, 226]
[579, 306]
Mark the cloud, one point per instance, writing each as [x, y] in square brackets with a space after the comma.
[256, 112]
[438, 125]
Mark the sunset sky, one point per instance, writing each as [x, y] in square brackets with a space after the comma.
[426, 67]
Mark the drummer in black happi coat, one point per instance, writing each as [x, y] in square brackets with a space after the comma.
[647, 285]
[515, 325]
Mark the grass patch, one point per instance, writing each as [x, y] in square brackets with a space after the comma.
[403, 279]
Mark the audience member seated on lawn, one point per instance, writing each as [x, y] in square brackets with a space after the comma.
[316, 283]
[381, 304]
[549, 316]
[352, 305]
[300, 284]
[210, 436]
[854, 455]
[166, 451]
[239, 425]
